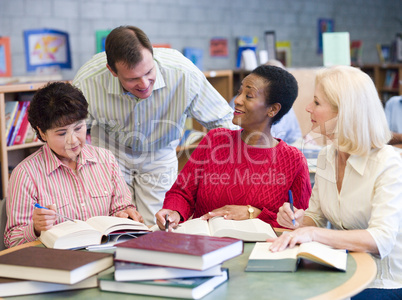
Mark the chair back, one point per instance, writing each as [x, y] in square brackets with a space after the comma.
[3, 220]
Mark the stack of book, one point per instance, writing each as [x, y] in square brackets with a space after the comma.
[35, 270]
[18, 130]
[171, 264]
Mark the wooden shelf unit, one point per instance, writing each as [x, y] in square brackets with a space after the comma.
[379, 73]
[8, 93]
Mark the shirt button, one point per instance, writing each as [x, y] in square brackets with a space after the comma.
[138, 123]
[105, 192]
[82, 204]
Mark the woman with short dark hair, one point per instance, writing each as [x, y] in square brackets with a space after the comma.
[66, 175]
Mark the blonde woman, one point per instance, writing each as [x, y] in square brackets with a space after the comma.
[358, 184]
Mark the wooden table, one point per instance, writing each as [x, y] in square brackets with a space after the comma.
[310, 281]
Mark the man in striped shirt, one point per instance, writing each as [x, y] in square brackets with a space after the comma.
[139, 99]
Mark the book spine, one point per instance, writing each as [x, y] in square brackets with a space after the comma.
[14, 124]
[22, 132]
[20, 115]
[10, 116]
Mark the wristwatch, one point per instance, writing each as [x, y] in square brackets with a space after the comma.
[250, 211]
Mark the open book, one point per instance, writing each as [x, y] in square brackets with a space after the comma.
[262, 259]
[250, 230]
[79, 234]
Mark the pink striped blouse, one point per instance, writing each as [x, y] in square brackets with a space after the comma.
[97, 188]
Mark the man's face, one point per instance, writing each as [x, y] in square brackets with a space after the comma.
[139, 80]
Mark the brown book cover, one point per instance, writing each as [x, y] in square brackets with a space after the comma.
[179, 250]
[53, 265]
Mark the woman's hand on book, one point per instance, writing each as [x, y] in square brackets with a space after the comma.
[231, 212]
[285, 216]
[131, 213]
[291, 238]
[44, 219]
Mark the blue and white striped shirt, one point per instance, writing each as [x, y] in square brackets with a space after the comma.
[181, 90]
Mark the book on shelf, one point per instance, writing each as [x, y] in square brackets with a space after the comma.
[187, 288]
[30, 136]
[336, 48]
[250, 230]
[130, 271]
[356, 51]
[23, 129]
[94, 231]
[22, 106]
[17, 287]
[245, 43]
[11, 108]
[53, 265]
[262, 259]
[179, 250]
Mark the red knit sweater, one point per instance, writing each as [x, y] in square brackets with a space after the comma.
[223, 170]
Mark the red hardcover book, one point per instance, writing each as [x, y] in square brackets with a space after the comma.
[53, 265]
[179, 250]
[22, 132]
[22, 106]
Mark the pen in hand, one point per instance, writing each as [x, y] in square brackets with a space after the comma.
[57, 214]
[167, 222]
[291, 206]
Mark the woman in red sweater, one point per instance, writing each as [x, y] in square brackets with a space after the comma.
[245, 173]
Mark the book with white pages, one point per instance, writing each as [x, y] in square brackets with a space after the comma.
[264, 260]
[249, 230]
[94, 231]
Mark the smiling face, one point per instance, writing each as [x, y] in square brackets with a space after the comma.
[251, 111]
[139, 80]
[323, 115]
[67, 141]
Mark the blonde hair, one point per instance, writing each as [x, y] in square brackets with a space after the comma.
[362, 124]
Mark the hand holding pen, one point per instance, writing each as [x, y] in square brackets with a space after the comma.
[167, 222]
[167, 219]
[291, 207]
[57, 214]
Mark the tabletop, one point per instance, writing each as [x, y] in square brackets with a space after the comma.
[310, 281]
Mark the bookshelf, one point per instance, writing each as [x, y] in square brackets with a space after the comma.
[387, 79]
[12, 155]
[222, 81]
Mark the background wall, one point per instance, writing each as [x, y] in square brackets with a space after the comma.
[192, 23]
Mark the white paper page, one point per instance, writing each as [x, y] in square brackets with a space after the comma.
[194, 226]
[66, 229]
[107, 224]
[252, 227]
[261, 251]
[335, 257]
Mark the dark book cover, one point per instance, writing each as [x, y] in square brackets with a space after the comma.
[46, 258]
[179, 243]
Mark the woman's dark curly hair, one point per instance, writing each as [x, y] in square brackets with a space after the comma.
[281, 88]
[56, 105]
